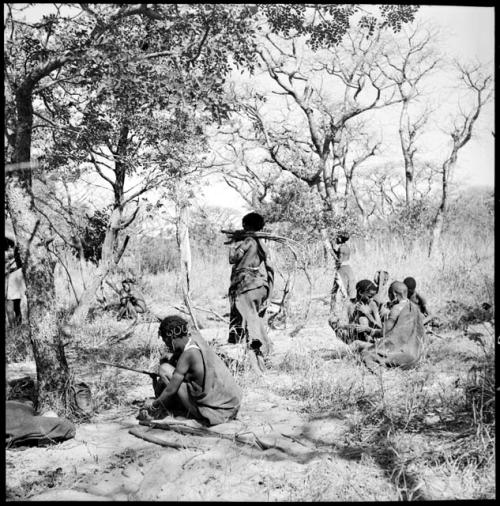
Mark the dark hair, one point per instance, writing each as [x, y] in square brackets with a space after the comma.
[173, 327]
[410, 283]
[365, 285]
[343, 236]
[8, 243]
[253, 222]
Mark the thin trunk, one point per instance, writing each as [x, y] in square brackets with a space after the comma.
[438, 222]
[110, 244]
[404, 138]
[184, 247]
[107, 263]
[185, 257]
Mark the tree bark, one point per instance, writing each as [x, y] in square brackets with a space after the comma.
[185, 255]
[53, 374]
[438, 222]
[405, 140]
[184, 247]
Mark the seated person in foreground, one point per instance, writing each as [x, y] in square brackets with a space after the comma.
[194, 380]
[401, 337]
[363, 315]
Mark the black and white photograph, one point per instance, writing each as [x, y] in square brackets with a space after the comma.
[249, 252]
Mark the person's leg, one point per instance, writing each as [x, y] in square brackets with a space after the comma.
[236, 327]
[334, 293]
[17, 311]
[121, 312]
[9, 311]
[402, 360]
[166, 371]
[248, 305]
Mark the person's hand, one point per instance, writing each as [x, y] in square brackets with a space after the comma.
[362, 308]
[150, 404]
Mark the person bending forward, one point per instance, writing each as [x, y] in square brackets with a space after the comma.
[194, 379]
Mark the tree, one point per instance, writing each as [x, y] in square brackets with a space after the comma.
[316, 133]
[50, 55]
[146, 107]
[414, 60]
[477, 80]
[32, 53]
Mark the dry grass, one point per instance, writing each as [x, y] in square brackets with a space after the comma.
[430, 431]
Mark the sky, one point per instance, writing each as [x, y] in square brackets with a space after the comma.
[466, 32]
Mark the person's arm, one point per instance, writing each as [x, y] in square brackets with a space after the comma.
[237, 251]
[392, 319]
[375, 315]
[11, 266]
[423, 305]
[182, 368]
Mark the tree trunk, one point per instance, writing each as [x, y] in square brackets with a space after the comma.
[185, 256]
[110, 244]
[436, 231]
[53, 374]
[184, 247]
[405, 140]
[437, 225]
[107, 262]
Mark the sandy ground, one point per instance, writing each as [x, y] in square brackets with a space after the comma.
[105, 462]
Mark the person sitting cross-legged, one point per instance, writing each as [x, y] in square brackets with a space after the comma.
[364, 310]
[130, 303]
[401, 337]
[195, 380]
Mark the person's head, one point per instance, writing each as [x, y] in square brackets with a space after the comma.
[411, 284]
[11, 251]
[365, 290]
[174, 331]
[252, 222]
[381, 278]
[126, 285]
[342, 237]
[398, 291]
[8, 244]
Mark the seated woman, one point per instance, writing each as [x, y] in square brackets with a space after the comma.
[130, 303]
[401, 338]
[363, 315]
[364, 310]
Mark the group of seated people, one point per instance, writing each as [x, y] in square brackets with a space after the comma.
[385, 325]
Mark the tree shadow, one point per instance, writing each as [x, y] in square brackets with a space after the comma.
[380, 449]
